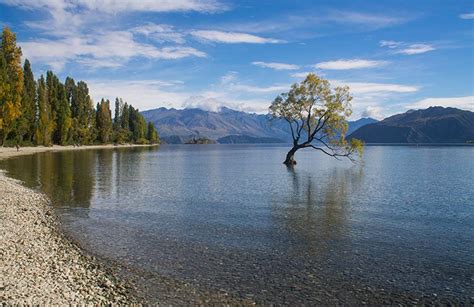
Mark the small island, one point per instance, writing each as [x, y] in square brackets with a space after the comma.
[201, 140]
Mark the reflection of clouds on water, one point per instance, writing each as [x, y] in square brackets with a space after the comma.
[314, 212]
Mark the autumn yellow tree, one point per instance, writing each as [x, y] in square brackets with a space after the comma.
[11, 83]
[317, 116]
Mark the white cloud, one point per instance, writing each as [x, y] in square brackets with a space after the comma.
[160, 33]
[375, 112]
[390, 44]
[304, 74]
[466, 103]
[70, 16]
[114, 48]
[368, 87]
[150, 94]
[276, 66]
[258, 89]
[232, 37]
[349, 64]
[203, 103]
[143, 94]
[114, 6]
[416, 49]
[373, 99]
[373, 21]
[405, 48]
[467, 16]
[229, 77]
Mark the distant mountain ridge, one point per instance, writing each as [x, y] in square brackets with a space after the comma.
[178, 126]
[432, 125]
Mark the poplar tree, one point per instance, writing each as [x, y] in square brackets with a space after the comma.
[53, 101]
[63, 119]
[49, 112]
[27, 120]
[104, 121]
[85, 114]
[138, 126]
[12, 83]
[45, 123]
[152, 134]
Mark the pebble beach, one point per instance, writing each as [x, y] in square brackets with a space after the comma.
[38, 264]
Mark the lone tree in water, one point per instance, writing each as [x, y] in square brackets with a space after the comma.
[317, 115]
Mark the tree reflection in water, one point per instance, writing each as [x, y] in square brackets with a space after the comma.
[315, 211]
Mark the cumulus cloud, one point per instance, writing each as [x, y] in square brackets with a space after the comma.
[466, 103]
[276, 66]
[204, 103]
[144, 94]
[370, 98]
[232, 37]
[373, 112]
[349, 64]
[149, 94]
[467, 16]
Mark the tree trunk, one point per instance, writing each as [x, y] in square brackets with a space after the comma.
[290, 156]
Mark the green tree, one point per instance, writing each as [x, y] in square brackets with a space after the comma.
[138, 126]
[152, 134]
[104, 121]
[117, 113]
[317, 116]
[83, 114]
[125, 118]
[60, 108]
[63, 116]
[26, 124]
[45, 124]
[12, 83]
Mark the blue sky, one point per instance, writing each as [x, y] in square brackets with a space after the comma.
[394, 55]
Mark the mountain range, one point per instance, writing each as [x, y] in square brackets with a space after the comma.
[432, 125]
[226, 126]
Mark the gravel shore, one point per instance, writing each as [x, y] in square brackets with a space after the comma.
[38, 265]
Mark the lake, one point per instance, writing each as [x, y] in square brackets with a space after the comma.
[398, 227]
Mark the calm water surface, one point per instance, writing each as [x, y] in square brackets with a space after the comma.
[235, 219]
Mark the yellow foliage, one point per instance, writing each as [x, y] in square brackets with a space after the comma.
[317, 115]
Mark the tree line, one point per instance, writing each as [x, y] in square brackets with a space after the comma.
[47, 111]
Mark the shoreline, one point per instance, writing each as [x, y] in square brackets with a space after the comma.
[11, 152]
[39, 264]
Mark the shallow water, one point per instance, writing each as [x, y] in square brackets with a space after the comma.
[233, 218]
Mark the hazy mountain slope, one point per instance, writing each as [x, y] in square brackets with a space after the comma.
[432, 125]
[354, 125]
[214, 125]
[177, 126]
